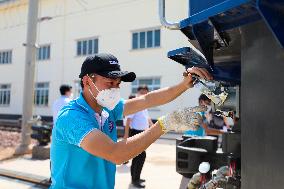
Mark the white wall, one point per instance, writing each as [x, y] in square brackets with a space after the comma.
[112, 21]
[12, 36]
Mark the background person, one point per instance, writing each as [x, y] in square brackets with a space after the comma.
[206, 116]
[65, 98]
[138, 122]
[126, 130]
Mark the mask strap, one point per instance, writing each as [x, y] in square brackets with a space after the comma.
[90, 89]
[94, 84]
[92, 94]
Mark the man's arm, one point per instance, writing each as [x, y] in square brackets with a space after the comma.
[165, 95]
[210, 131]
[100, 145]
[126, 128]
[153, 98]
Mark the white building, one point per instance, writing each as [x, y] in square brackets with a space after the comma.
[129, 29]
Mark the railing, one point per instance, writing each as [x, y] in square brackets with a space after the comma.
[10, 125]
[15, 124]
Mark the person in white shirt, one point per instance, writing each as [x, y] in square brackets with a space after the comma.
[137, 123]
[65, 98]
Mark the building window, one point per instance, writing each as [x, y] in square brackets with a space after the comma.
[2, 1]
[87, 47]
[43, 53]
[5, 94]
[152, 84]
[146, 39]
[6, 57]
[41, 94]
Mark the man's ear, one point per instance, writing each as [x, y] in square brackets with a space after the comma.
[86, 81]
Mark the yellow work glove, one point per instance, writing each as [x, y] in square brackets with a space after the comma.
[182, 120]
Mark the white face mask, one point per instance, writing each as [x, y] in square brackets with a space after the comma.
[107, 98]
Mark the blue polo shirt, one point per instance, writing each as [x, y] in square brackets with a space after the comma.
[71, 166]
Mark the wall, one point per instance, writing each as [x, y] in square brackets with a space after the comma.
[112, 22]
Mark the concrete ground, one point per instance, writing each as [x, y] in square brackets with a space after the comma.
[159, 169]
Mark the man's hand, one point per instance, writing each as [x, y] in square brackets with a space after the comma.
[201, 72]
[182, 120]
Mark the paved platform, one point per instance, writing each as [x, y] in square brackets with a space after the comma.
[159, 169]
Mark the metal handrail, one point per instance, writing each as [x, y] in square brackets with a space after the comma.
[162, 15]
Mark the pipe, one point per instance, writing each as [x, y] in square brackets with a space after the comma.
[162, 15]
[219, 180]
[194, 182]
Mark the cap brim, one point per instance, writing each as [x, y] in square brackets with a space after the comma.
[124, 75]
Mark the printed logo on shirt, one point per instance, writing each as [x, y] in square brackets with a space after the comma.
[110, 126]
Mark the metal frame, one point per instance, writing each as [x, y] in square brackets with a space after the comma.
[162, 14]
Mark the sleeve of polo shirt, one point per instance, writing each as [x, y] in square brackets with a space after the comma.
[72, 127]
[118, 110]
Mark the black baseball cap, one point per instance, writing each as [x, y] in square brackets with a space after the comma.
[105, 65]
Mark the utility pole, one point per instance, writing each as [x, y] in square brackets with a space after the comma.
[28, 99]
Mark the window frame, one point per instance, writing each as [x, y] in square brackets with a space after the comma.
[42, 91]
[38, 52]
[9, 57]
[146, 31]
[151, 87]
[4, 91]
[154, 109]
[87, 40]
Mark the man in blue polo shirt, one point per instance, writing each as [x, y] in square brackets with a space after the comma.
[84, 147]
